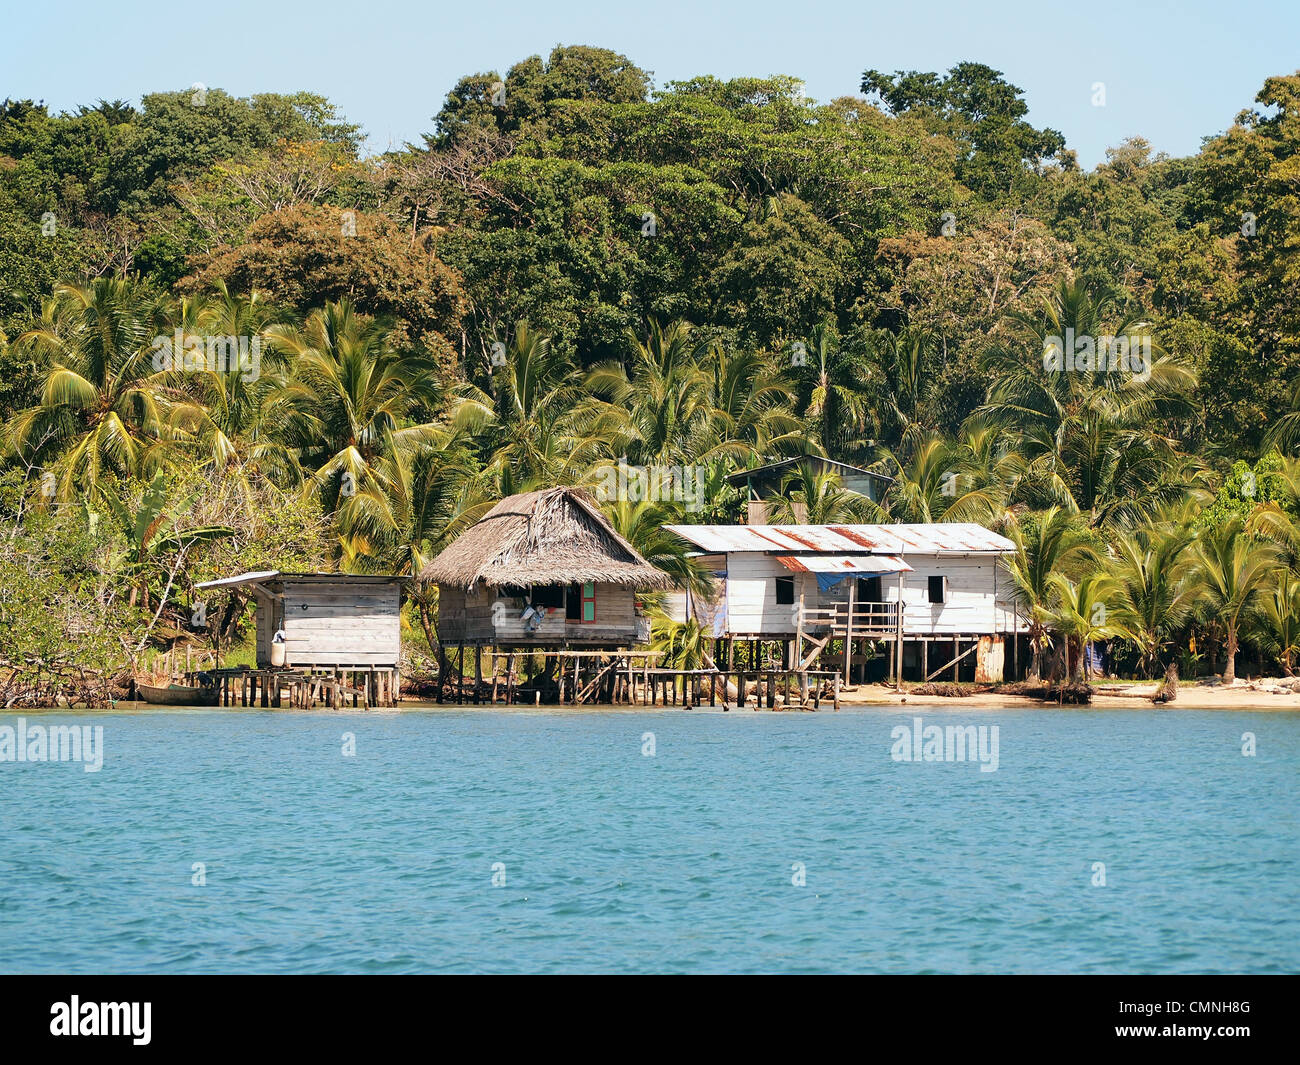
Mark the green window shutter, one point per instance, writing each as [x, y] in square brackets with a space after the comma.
[589, 602]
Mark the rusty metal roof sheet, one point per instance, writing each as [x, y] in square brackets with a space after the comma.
[844, 563]
[937, 538]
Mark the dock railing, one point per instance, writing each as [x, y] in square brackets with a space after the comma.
[871, 621]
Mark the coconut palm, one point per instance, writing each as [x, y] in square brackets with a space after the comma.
[529, 424]
[1081, 613]
[658, 411]
[433, 494]
[1233, 567]
[1046, 544]
[353, 399]
[641, 523]
[749, 401]
[100, 409]
[681, 644]
[1284, 433]
[236, 414]
[1277, 620]
[1096, 426]
[906, 362]
[150, 527]
[936, 480]
[993, 478]
[1156, 596]
[830, 383]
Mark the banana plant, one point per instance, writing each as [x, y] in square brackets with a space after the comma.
[150, 530]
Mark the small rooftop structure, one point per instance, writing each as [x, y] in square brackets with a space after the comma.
[761, 483]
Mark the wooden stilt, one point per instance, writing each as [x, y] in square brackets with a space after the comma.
[848, 636]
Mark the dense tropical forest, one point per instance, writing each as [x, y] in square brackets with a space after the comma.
[233, 341]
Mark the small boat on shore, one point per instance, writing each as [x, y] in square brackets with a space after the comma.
[176, 695]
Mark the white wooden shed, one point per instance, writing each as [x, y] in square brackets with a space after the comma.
[335, 621]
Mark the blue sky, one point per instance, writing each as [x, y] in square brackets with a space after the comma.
[1173, 72]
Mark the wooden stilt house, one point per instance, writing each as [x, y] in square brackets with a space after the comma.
[543, 570]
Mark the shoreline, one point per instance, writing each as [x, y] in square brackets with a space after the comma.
[1241, 697]
[1252, 696]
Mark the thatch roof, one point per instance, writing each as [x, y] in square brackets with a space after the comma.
[555, 536]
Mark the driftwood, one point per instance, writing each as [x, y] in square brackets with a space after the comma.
[1074, 693]
[43, 683]
[953, 689]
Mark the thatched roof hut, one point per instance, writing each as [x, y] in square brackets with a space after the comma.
[554, 536]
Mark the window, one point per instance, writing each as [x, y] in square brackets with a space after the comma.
[548, 595]
[580, 603]
[784, 591]
[868, 590]
[938, 589]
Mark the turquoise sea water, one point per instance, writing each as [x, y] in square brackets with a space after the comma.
[615, 861]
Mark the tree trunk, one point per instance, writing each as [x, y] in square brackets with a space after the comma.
[1230, 666]
[1036, 663]
[426, 625]
[1079, 672]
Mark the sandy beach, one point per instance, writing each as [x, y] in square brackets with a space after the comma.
[1265, 693]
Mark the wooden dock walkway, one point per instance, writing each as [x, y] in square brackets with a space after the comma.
[298, 688]
[630, 678]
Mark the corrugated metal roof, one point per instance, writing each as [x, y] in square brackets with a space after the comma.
[259, 576]
[844, 563]
[937, 538]
[243, 578]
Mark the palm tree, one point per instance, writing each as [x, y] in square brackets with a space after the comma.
[641, 523]
[433, 494]
[923, 475]
[1046, 544]
[236, 415]
[100, 409]
[660, 410]
[749, 405]
[150, 529]
[906, 360]
[935, 480]
[353, 398]
[1277, 620]
[831, 392]
[1097, 426]
[1082, 614]
[1156, 597]
[530, 426]
[1233, 567]
[1284, 434]
[996, 479]
[681, 644]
